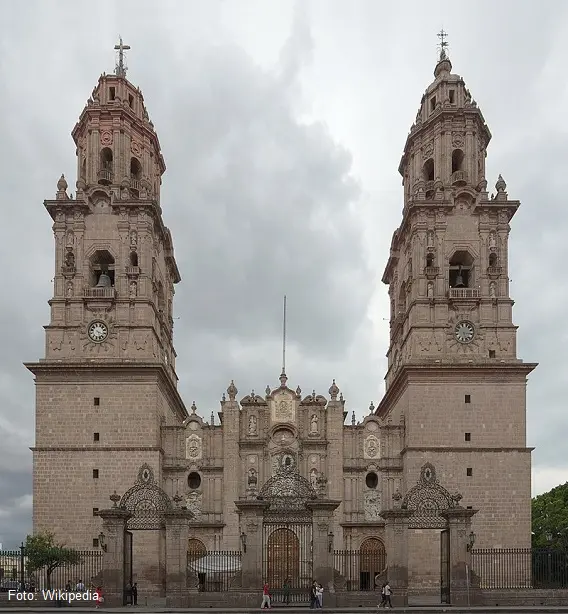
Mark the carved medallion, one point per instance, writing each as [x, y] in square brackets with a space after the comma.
[457, 139]
[136, 148]
[193, 447]
[371, 448]
[106, 138]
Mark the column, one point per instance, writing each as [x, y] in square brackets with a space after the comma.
[322, 539]
[114, 527]
[459, 525]
[177, 534]
[396, 537]
[250, 514]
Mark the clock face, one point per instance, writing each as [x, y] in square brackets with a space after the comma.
[464, 331]
[98, 331]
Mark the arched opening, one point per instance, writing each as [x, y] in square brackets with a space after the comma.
[195, 549]
[105, 166]
[428, 170]
[401, 306]
[283, 551]
[457, 160]
[194, 480]
[372, 562]
[492, 260]
[135, 169]
[372, 480]
[429, 260]
[101, 269]
[461, 270]
[133, 258]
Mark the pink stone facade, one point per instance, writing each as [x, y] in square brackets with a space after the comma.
[107, 400]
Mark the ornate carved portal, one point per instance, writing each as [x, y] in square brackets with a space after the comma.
[372, 561]
[287, 530]
[146, 501]
[428, 499]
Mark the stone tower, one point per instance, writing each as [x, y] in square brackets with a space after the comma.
[454, 380]
[107, 383]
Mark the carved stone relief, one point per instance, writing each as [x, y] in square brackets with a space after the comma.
[193, 447]
[372, 505]
[283, 409]
[371, 448]
[194, 502]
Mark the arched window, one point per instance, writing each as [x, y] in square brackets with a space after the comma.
[428, 170]
[135, 169]
[372, 561]
[195, 549]
[101, 265]
[429, 260]
[133, 258]
[492, 259]
[457, 160]
[105, 166]
[461, 270]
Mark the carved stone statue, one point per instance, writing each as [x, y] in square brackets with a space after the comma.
[69, 290]
[492, 290]
[70, 239]
[430, 290]
[430, 239]
[252, 425]
[133, 289]
[492, 241]
[314, 477]
[252, 480]
[133, 238]
[314, 424]
[70, 259]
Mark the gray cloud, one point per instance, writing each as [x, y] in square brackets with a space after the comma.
[282, 131]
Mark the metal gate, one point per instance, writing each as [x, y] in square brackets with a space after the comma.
[287, 550]
[127, 564]
[445, 566]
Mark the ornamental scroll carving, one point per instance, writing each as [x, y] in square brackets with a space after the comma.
[371, 447]
[193, 447]
[283, 410]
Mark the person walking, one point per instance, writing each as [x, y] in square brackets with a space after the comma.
[265, 597]
[135, 593]
[388, 593]
[286, 591]
[319, 595]
[383, 600]
[314, 596]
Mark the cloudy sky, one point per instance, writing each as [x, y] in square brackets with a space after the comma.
[282, 127]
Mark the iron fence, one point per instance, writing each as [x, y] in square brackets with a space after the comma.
[518, 568]
[15, 573]
[215, 569]
[360, 568]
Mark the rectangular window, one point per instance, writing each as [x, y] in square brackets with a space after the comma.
[468, 436]
[96, 401]
[95, 510]
[469, 472]
[111, 93]
[452, 95]
[467, 398]
[491, 353]
[469, 507]
[95, 474]
[96, 437]
[432, 103]
[131, 100]
[95, 542]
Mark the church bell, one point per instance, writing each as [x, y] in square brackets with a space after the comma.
[104, 281]
[459, 280]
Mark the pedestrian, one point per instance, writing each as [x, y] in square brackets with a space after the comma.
[313, 596]
[99, 597]
[319, 595]
[286, 591]
[135, 593]
[388, 593]
[265, 597]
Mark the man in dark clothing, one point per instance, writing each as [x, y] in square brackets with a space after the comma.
[135, 593]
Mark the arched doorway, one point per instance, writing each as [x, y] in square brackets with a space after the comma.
[197, 551]
[372, 562]
[283, 549]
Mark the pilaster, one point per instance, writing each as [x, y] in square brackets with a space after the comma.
[113, 580]
[250, 514]
[322, 540]
[177, 534]
[396, 537]
[459, 525]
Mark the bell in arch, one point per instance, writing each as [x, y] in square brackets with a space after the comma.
[459, 280]
[104, 281]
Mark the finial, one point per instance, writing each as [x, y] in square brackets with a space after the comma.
[62, 184]
[232, 391]
[333, 391]
[443, 44]
[283, 380]
[223, 397]
[115, 498]
[193, 407]
[298, 391]
[353, 419]
[371, 407]
[267, 391]
[212, 419]
[121, 68]
[500, 186]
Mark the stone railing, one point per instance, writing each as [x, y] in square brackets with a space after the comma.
[102, 292]
[458, 177]
[461, 293]
[105, 175]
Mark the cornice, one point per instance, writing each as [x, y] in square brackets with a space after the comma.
[464, 449]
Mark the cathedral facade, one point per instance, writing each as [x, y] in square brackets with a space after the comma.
[448, 434]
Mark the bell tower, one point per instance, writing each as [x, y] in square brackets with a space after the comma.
[452, 338]
[114, 263]
[107, 383]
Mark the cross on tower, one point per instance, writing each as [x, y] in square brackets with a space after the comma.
[443, 43]
[121, 68]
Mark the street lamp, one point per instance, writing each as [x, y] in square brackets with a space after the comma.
[471, 541]
[244, 541]
[330, 541]
[102, 542]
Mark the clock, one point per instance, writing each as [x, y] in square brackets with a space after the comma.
[464, 331]
[98, 331]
